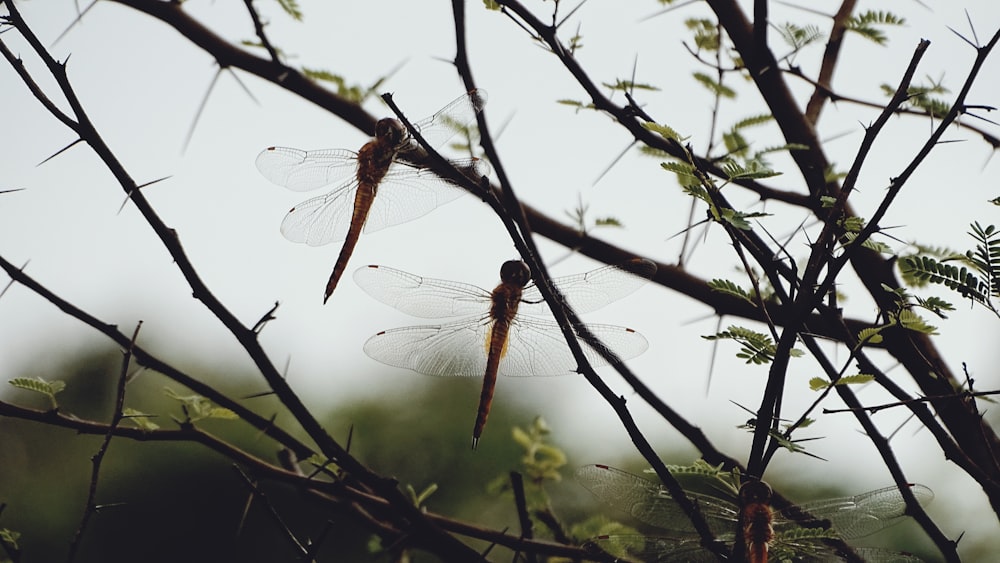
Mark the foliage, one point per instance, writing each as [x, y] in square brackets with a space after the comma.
[730, 288]
[756, 347]
[39, 385]
[197, 408]
[977, 279]
[291, 7]
[760, 147]
[866, 25]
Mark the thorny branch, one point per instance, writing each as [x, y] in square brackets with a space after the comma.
[965, 438]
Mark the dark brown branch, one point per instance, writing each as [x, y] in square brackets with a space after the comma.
[830, 57]
[116, 417]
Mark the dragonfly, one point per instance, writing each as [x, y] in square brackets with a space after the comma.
[507, 331]
[796, 534]
[374, 187]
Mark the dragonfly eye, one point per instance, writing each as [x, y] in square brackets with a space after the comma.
[515, 272]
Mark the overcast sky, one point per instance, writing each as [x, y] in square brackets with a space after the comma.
[143, 84]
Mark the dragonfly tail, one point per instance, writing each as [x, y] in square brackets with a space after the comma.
[361, 207]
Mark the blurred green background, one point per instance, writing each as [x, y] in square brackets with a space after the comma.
[183, 502]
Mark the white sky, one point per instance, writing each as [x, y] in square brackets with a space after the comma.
[142, 84]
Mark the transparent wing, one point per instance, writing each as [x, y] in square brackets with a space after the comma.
[422, 297]
[302, 171]
[408, 192]
[875, 555]
[537, 347]
[534, 347]
[650, 503]
[455, 349]
[459, 115]
[653, 549]
[324, 219]
[592, 290]
[861, 515]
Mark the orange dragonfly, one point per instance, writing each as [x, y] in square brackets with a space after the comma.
[373, 189]
[759, 531]
[508, 331]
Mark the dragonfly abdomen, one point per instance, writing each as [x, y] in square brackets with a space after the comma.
[363, 200]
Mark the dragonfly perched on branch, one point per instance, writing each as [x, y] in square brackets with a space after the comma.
[807, 532]
[374, 187]
[508, 331]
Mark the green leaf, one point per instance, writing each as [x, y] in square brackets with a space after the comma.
[877, 246]
[960, 280]
[935, 305]
[491, 5]
[541, 461]
[576, 104]
[757, 348]
[706, 33]
[799, 36]
[521, 438]
[418, 499]
[714, 86]
[291, 7]
[140, 419]
[686, 174]
[922, 96]
[629, 86]
[738, 219]
[223, 413]
[871, 335]
[352, 92]
[753, 121]
[735, 143]
[852, 224]
[198, 407]
[865, 24]
[752, 170]
[729, 288]
[39, 385]
[664, 131]
[9, 538]
[818, 383]
[856, 379]
[912, 321]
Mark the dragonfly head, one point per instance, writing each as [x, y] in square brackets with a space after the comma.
[391, 131]
[755, 492]
[515, 272]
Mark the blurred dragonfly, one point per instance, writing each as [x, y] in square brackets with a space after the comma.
[373, 188]
[508, 331]
[797, 534]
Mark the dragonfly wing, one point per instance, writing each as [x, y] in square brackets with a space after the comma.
[650, 503]
[876, 555]
[457, 116]
[302, 171]
[653, 549]
[537, 347]
[624, 342]
[322, 220]
[595, 289]
[455, 349]
[422, 297]
[408, 192]
[864, 514]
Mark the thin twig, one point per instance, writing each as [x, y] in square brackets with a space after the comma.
[90, 507]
